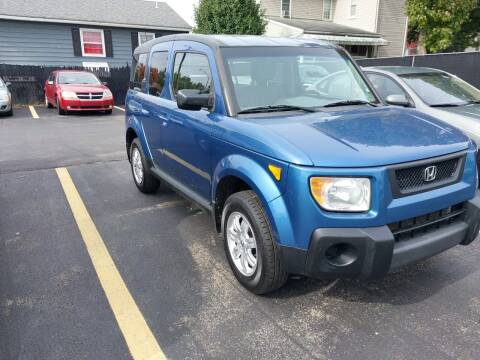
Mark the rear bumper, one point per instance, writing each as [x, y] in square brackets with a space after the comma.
[373, 252]
[86, 105]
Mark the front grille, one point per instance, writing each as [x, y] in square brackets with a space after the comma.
[409, 228]
[412, 178]
[90, 96]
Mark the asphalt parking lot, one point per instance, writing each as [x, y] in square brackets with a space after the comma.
[53, 306]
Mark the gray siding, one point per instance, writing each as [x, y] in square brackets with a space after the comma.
[301, 9]
[392, 23]
[29, 43]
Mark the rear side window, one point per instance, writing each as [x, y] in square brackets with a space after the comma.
[192, 71]
[139, 73]
[158, 70]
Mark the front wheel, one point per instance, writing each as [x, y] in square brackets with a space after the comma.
[250, 247]
[144, 180]
[59, 108]
[47, 103]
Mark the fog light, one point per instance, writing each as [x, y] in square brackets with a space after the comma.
[342, 254]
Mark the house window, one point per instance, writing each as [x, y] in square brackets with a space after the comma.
[327, 9]
[93, 42]
[143, 37]
[286, 8]
[353, 8]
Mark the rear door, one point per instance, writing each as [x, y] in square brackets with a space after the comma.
[156, 99]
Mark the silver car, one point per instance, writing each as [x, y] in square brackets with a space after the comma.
[435, 92]
[5, 99]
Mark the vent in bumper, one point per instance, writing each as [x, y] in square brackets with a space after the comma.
[409, 228]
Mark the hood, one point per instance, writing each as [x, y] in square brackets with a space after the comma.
[468, 110]
[83, 88]
[367, 137]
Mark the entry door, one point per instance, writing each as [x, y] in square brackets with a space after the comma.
[154, 100]
[186, 134]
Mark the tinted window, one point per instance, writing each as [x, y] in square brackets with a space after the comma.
[442, 89]
[158, 69]
[77, 78]
[192, 72]
[139, 74]
[385, 86]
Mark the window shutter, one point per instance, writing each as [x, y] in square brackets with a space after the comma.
[107, 34]
[77, 44]
[134, 40]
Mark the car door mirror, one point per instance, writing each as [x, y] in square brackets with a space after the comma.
[8, 84]
[105, 83]
[397, 100]
[191, 99]
[50, 82]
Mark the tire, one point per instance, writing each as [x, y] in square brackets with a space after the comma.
[47, 103]
[108, 112]
[10, 113]
[146, 183]
[269, 273]
[59, 108]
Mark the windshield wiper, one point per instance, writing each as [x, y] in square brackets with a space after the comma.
[274, 108]
[450, 104]
[350, 102]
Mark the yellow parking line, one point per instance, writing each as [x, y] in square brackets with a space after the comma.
[119, 108]
[33, 112]
[138, 336]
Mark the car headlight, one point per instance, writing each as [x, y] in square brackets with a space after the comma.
[69, 95]
[341, 194]
[107, 94]
[4, 96]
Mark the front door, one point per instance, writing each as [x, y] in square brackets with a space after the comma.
[186, 134]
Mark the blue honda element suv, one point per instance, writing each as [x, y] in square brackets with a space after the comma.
[303, 169]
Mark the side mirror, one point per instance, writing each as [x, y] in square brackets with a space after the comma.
[8, 84]
[193, 100]
[398, 100]
[50, 82]
[105, 83]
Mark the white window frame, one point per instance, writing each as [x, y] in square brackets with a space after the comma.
[146, 33]
[103, 54]
[289, 10]
[353, 3]
[331, 10]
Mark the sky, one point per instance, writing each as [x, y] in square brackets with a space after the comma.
[184, 8]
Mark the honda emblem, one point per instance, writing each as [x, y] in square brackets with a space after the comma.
[430, 173]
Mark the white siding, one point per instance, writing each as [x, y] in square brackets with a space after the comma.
[366, 18]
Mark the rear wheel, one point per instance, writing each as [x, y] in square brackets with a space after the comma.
[59, 108]
[250, 247]
[142, 176]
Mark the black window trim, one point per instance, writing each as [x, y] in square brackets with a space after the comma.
[172, 75]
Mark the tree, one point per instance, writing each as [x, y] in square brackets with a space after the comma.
[439, 22]
[230, 17]
[468, 35]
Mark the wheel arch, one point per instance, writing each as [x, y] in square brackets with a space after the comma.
[236, 173]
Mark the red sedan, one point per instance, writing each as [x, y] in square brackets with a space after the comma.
[77, 91]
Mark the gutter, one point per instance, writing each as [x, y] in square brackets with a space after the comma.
[94, 23]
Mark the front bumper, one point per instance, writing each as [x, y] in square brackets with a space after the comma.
[5, 106]
[373, 252]
[86, 105]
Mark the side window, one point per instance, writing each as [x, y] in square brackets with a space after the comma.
[158, 70]
[192, 71]
[385, 86]
[139, 73]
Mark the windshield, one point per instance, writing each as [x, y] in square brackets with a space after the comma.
[293, 76]
[441, 89]
[77, 78]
